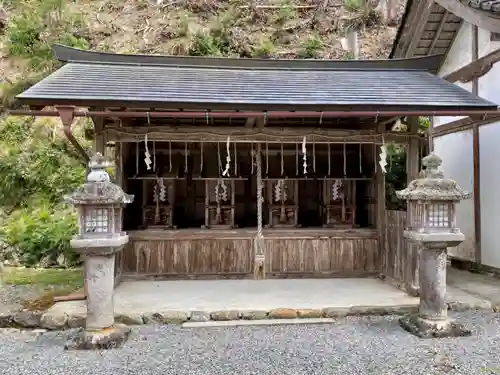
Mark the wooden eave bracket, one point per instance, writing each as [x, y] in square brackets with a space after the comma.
[67, 116]
[475, 69]
[476, 17]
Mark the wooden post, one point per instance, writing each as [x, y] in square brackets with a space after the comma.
[380, 203]
[412, 170]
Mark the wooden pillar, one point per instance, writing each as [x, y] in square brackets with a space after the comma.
[99, 144]
[380, 202]
[412, 171]
[476, 158]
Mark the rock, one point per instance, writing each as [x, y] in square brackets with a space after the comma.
[5, 320]
[53, 321]
[130, 319]
[108, 338]
[152, 318]
[200, 316]
[27, 319]
[309, 313]
[464, 306]
[174, 317]
[39, 331]
[254, 315]
[283, 313]
[335, 312]
[383, 310]
[225, 315]
[425, 328]
[76, 321]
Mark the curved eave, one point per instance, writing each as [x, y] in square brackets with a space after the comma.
[68, 54]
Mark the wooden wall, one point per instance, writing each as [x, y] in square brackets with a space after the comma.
[398, 257]
[303, 254]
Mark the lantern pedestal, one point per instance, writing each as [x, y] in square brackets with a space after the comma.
[99, 264]
[432, 319]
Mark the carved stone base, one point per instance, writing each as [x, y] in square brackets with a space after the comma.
[108, 338]
[424, 328]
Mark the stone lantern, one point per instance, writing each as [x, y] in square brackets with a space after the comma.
[99, 204]
[431, 201]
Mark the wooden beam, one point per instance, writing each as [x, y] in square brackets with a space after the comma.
[412, 171]
[479, 18]
[475, 69]
[245, 135]
[438, 32]
[423, 11]
[461, 125]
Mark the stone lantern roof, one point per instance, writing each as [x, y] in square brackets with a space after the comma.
[98, 189]
[432, 185]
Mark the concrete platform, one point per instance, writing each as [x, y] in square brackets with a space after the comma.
[138, 302]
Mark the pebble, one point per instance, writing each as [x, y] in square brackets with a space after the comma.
[357, 345]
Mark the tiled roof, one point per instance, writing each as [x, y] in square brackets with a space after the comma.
[202, 86]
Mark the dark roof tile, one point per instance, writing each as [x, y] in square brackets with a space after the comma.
[165, 85]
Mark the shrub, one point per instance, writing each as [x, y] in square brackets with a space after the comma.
[310, 48]
[36, 169]
[41, 231]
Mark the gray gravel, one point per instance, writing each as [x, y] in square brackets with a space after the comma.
[369, 345]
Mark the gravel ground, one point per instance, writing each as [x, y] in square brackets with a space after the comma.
[368, 345]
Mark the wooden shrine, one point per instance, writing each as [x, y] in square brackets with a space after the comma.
[264, 168]
[339, 199]
[219, 203]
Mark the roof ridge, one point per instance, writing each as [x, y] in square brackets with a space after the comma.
[68, 54]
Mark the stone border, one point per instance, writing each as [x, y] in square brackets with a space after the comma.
[51, 321]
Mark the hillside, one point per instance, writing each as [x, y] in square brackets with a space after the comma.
[268, 29]
[37, 166]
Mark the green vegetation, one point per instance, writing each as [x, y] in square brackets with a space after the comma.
[37, 167]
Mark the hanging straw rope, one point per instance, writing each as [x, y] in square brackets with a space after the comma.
[185, 157]
[251, 156]
[201, 158]
[296, 159]
[170, 156]
[267, 158]
[360, 160]
[235, 161]
[259, 267]
[137, 158]
[314, 156]
[329, 160]
[282, 161]
[345, 160]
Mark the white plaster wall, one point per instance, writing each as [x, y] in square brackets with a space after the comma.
[459, 55]
[489, 153]
[456, 151]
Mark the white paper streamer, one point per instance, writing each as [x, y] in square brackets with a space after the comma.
[228, 158]
[147, 155]
[304, 153]
[383, 158]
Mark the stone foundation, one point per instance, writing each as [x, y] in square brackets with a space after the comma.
[425, 328]
[54, 321]
[108, 338]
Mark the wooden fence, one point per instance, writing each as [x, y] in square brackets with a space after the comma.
[399, 258]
